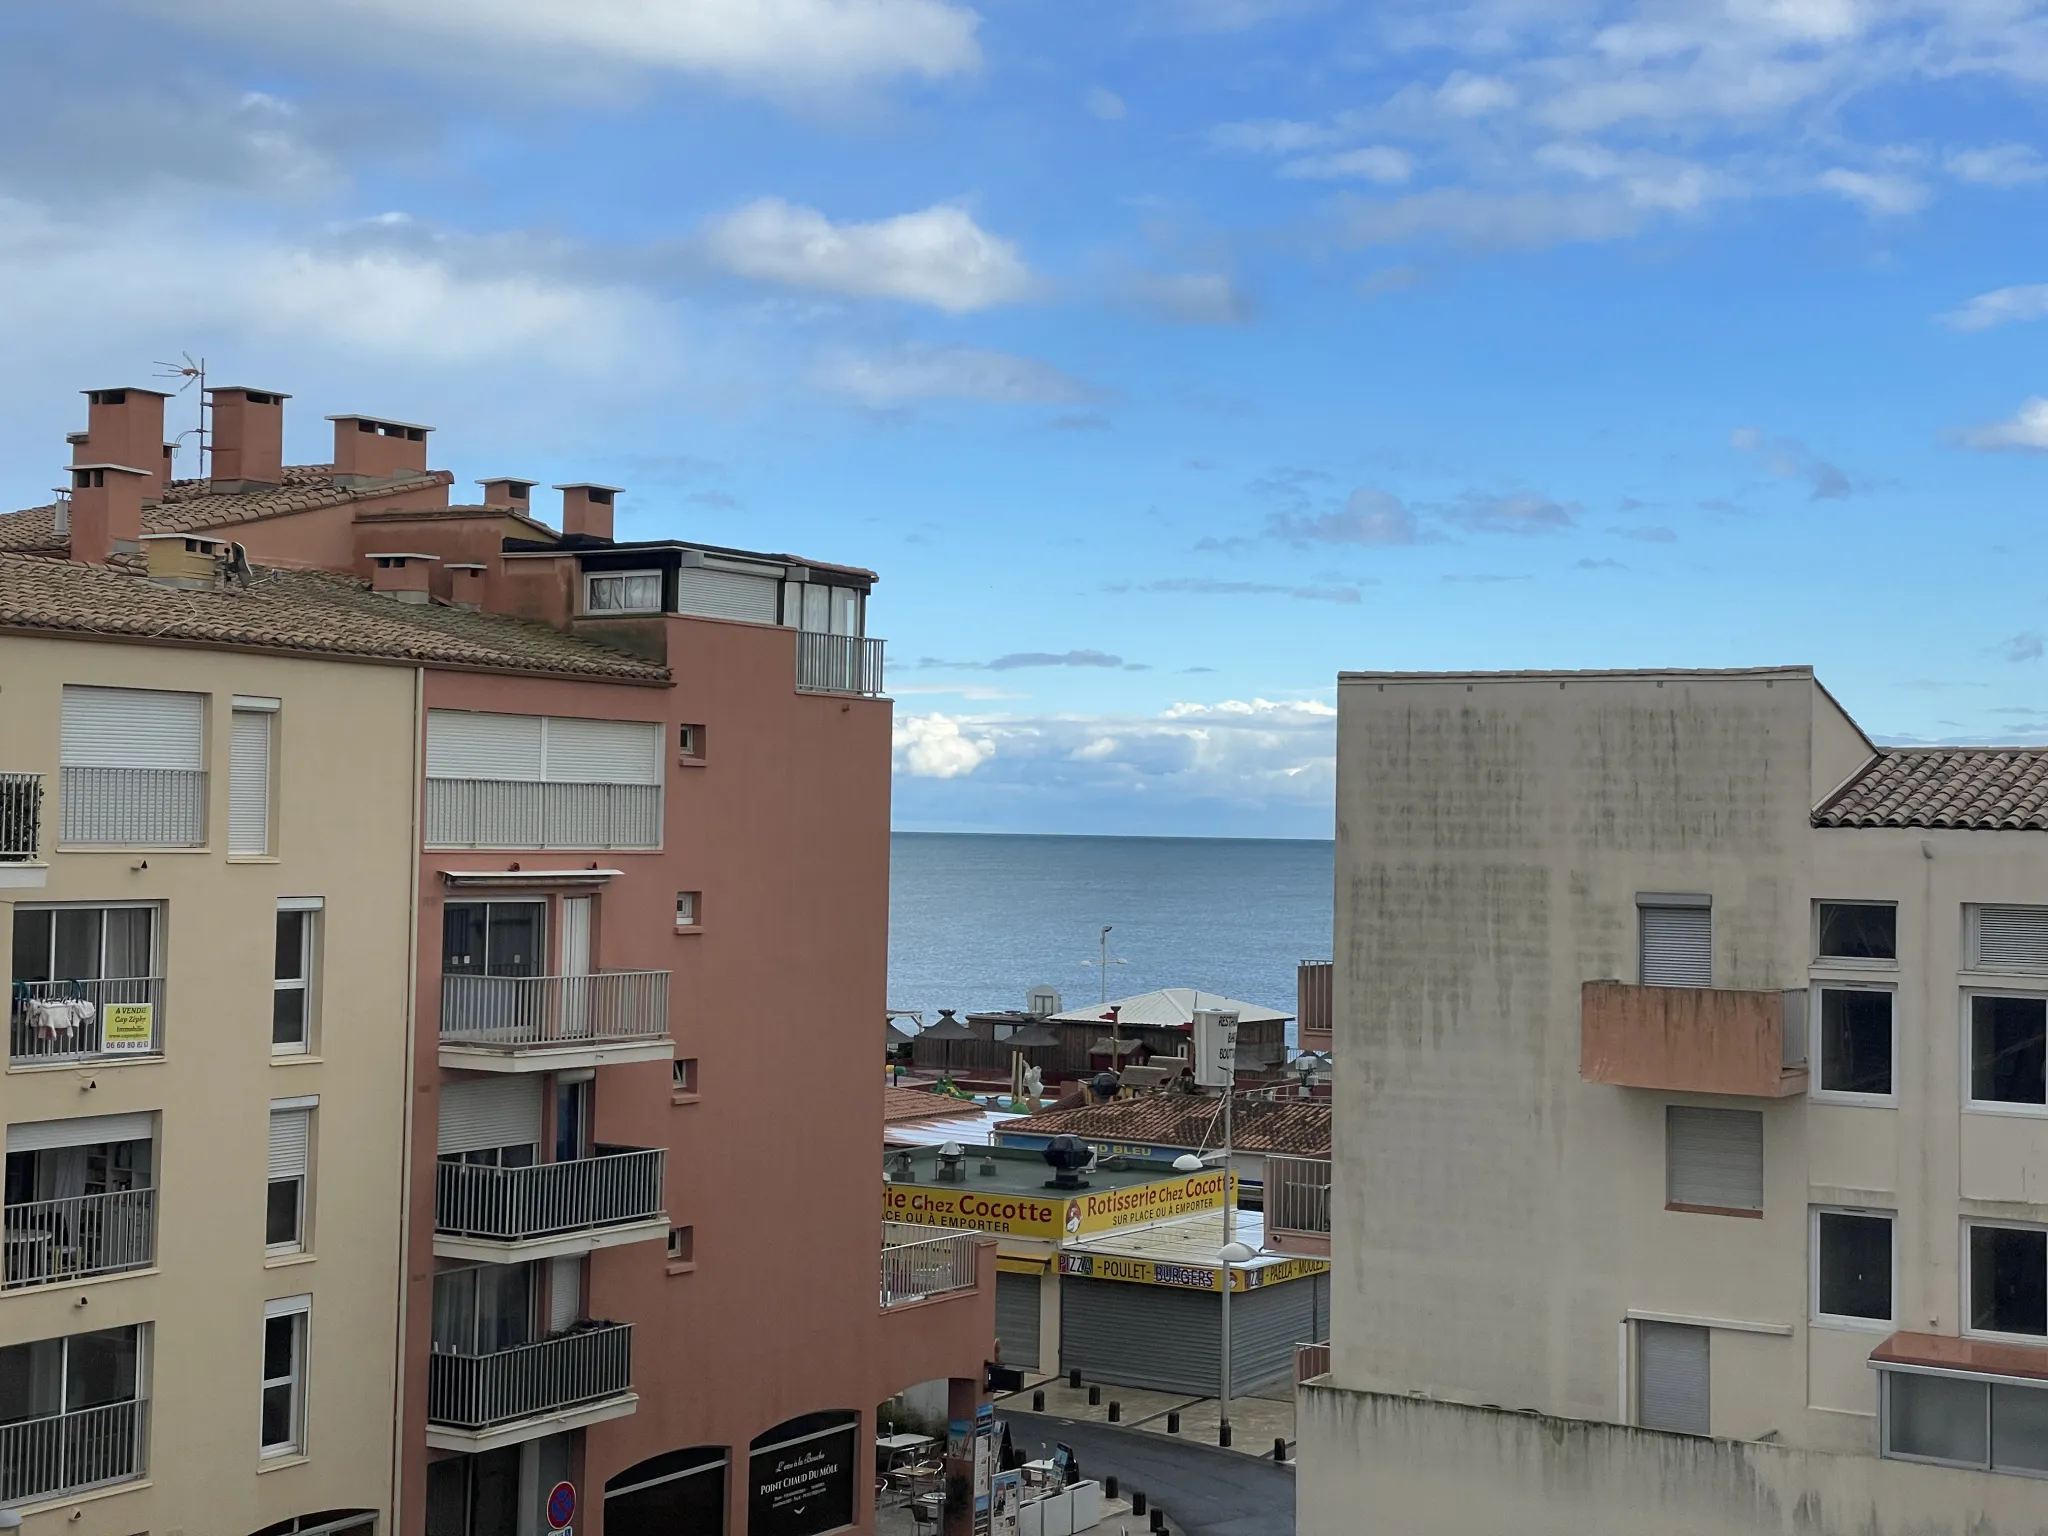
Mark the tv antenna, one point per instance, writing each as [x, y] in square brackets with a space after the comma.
[190, 370]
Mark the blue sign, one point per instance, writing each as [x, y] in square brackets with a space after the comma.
[561, 1505]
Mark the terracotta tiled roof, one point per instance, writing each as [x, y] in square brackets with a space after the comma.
[303, 611]
[899, 1104]
[1290, 1127]
[1983, 788]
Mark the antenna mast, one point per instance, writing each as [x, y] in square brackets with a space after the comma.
[192, 371]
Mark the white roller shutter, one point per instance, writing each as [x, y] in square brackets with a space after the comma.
[1017, 1319]
[565, 1292]
[1714, 1157]
[1678, 946]
[2009, 938]
[466, 745]
[290, 1135]
[603, 751]
[501, 1111]
[82, 1131]
[133, 728]
[1672, 1378]
[249, 783]
[725, 595]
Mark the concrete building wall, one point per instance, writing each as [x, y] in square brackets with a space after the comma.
[343, 818]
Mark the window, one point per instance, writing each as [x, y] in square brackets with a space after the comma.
[1672, 1378]
[2006, 938]
[682, 1245]
[284, 1374]
[291, 1134]
[1858, 930]
[1856, 1041]
[74, 1407]
[690, 743]
[1714, 1159]
[688, 908]
[249, 777]
[683, 1074]
[79, 1197]
[530, 781]
[483, 1309]
[1852, 1266]
[291, 1003]
[2009, 1050]
[103, 957]
[622, 592]
[1996, 1426]
[134, 768]
[2008, 1280]
[1677, 941]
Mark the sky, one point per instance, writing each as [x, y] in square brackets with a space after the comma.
[1164, 357]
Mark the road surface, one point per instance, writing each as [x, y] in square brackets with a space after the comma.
[1204, 1491]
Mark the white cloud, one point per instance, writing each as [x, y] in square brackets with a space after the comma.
[1191, 298]
[776, 44]
[1104, 104]
[937, 256]
[1521, 512]
[2002, 306]
[1650, 181]
[1469, 95]
[1884, 196]
[935, 747]
[1493, 220]
[1372, 162]
[1997, 165]
[1271, 136]
[2025, 431]
[1372, 518]
[945, 373]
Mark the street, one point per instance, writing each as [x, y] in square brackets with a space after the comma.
[1204, 1491]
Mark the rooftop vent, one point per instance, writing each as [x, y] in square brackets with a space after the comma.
[124, 426]
[188, 560]
[371, 448]
[587, 509]
[508, 491]
[1068, 1157]
[247, 440]
[407, 577]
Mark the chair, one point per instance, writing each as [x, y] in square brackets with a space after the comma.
[924, 1513]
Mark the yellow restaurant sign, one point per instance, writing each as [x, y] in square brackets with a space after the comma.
[1053, 1216]
[1195, 1277]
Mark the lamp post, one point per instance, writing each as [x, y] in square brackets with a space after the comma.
[1216, 1066]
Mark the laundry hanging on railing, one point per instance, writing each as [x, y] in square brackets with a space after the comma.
[58, 1018]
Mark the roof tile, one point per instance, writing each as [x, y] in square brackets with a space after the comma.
[1975, 788]
[1289, 1127]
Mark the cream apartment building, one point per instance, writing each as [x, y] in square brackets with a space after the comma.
[1691, 1151]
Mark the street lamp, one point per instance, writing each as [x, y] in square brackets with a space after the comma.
[1215, 1047]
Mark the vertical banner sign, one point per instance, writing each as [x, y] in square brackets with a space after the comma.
[984, 1465]
[1215, 1048]
[1006, 1499]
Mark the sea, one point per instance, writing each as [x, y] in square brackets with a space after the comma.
[977, 920]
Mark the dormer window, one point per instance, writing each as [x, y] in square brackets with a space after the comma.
[622, 592]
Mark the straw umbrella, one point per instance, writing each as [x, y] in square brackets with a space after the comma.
[946, 1031]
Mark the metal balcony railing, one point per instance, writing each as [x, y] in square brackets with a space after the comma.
[504, 813]
[1298, 1194]
[67, 1453]
[1311, 1361]
[21, 817]
[918, 1262]
[47, 1242]
[538, 1012]
[133, 807]
[838, 663]
[618, 1185]
[106, 1019]
[479, 1391]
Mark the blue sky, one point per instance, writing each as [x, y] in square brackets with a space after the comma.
[1165, 358]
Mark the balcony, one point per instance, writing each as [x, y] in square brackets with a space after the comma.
[838, 663]
[1693, 1039]
[1311, 1361]
[110, 1019]
[133, 807]
[919, 1263]
[507, 1215]
[509, 813]
[21, 831]
[480, 1402]
[1297, 1196]
[547, 1023]
[66, 1453]
[52, 1242]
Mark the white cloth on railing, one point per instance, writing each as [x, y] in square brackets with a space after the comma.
[55, 1018]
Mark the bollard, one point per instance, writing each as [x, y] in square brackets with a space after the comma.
[1116, 1411]
[1279, 1447]
[1094, 1397]
[1158, 1518]
[1137, 1501]
[1173, 1422]
[1074, 1378]
[1109, 1487]
[1038, 1401]
[1223, 1436]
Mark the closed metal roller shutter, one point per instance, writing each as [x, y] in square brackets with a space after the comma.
[290, 1133]
[134, 728]
[489, 1112]
[2010, 939]
[249, 783]
[1678, 946]
[466, 745]
[83, 1131]
[1017, 1319]
[1714, 1157]
[603, 751]
[1671, 1378]
[1170, 1340]
[726, 595]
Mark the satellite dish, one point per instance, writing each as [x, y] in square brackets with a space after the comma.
[1187, 1162]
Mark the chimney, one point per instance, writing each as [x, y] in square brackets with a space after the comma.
[247, 438]
[406, 577]
[370, 448]
[587, 510]
[106, 510]
[509, 491]
[187, 560]
[125, 426]
[466, 585]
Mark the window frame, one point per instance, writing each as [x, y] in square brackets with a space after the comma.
[695, 922]
[311, 910]
[1816, 1043]
[1838, 1320]
[1854, 962]
[1966, 1278]
[298, 1310]
[1672, 901]
[302, 1241]
[592, 578]
[157, 909]
[1967, 1031]
[267, 710]
[1985, 1380]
